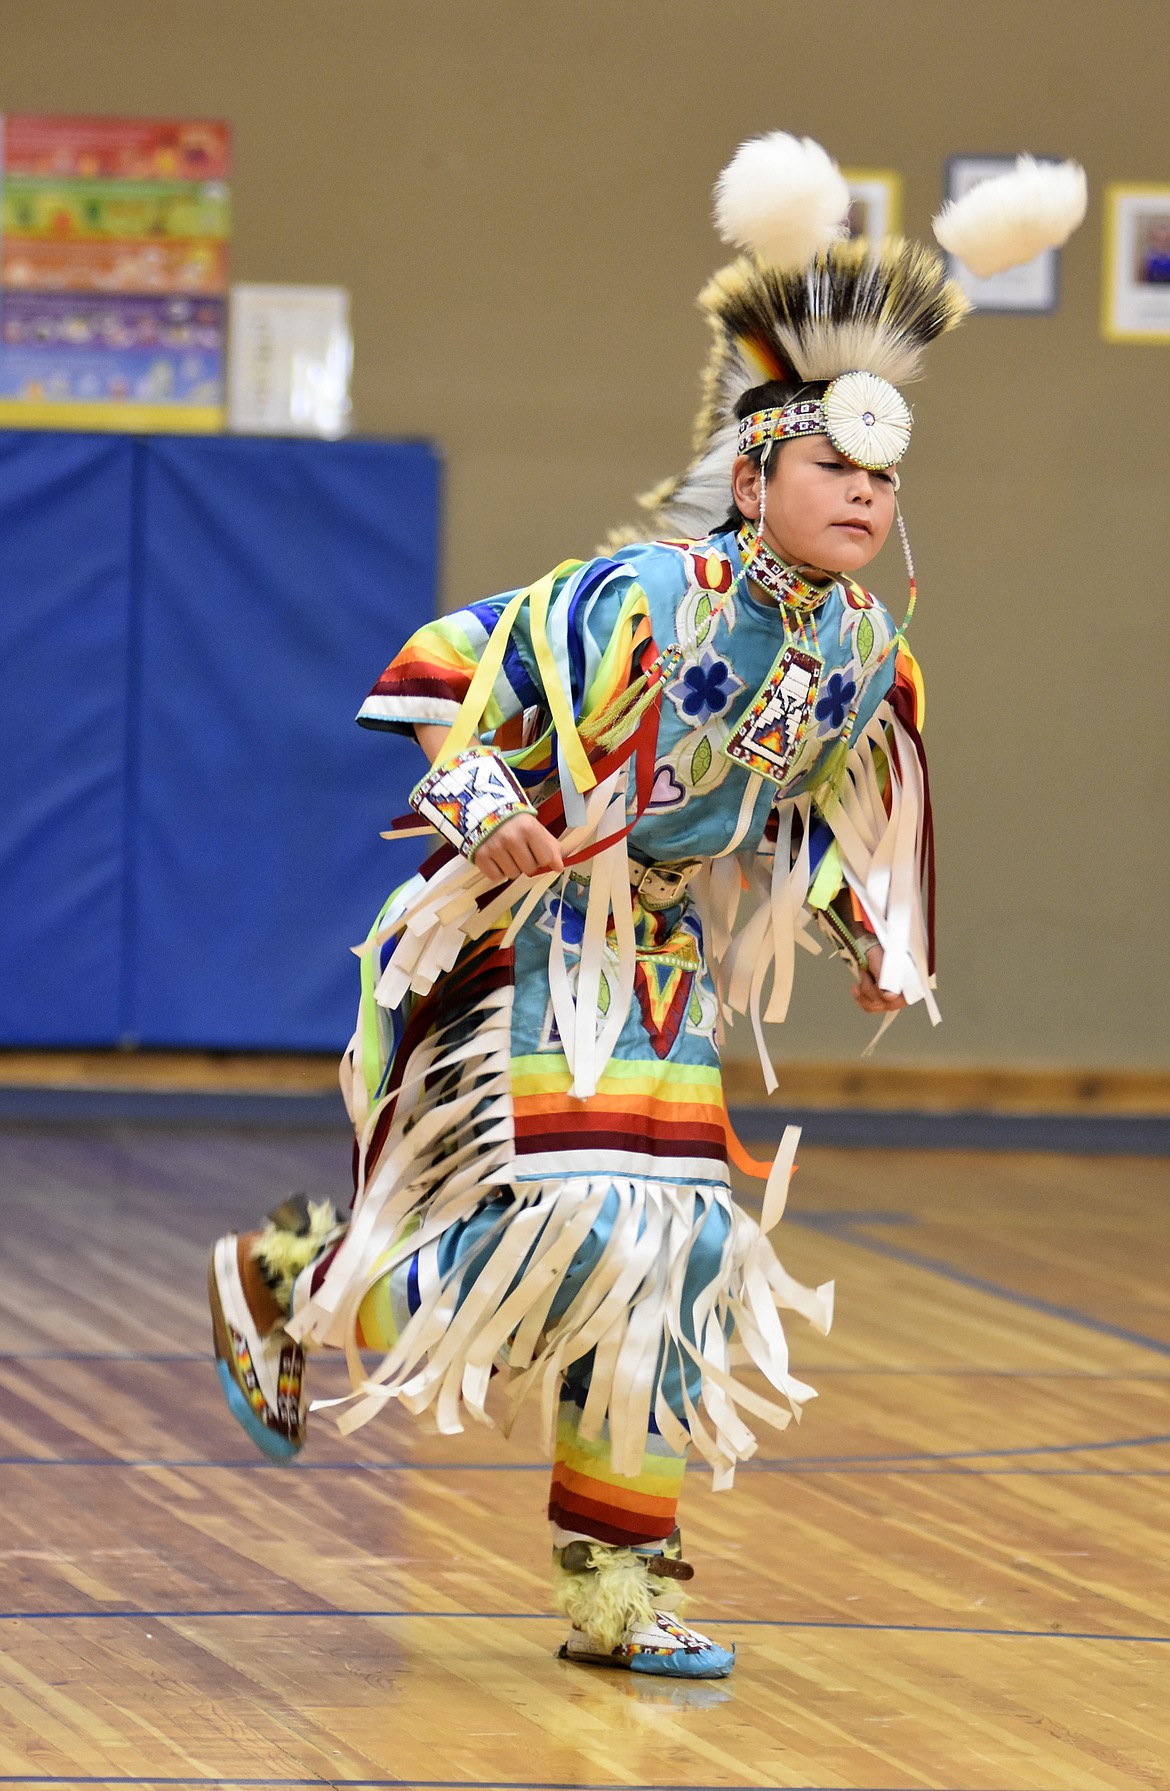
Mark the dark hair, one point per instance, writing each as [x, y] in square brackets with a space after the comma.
[771, 396]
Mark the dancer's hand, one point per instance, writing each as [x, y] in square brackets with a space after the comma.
[866, 993]
[520, 847]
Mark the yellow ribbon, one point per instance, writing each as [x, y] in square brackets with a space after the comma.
[466, 723]
[560, 707]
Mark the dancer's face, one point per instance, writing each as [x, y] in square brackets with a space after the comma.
[821, 510]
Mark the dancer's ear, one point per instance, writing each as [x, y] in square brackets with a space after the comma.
[745, 485]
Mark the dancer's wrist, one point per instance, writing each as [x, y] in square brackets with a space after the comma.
[468, 798]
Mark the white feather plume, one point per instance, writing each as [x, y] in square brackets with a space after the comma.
[1007, 220]
[782, 198]
[702, 499]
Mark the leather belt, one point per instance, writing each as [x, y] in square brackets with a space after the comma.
[657, 886]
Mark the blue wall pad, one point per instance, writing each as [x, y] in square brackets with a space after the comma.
[65, 549]
[277, 579]
[189, 815]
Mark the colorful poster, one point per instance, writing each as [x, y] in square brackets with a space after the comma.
[117, 148]
[63, 349]
[180, 267]
[114, 273]
[98, 210]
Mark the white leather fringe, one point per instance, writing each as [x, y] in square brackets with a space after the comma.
[438, 918]
[449, 1151]
[628, 1311]
[880, 857]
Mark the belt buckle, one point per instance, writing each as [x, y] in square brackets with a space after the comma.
[662, 885]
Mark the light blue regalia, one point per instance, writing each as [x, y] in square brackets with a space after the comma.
[535, 1077]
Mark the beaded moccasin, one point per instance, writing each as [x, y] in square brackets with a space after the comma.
[612, 1597]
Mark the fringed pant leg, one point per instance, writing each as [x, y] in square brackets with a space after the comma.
[588, 1500]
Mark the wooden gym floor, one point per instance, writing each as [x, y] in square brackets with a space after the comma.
[954, 1576]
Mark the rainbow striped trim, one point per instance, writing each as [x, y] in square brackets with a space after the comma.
[589, 1499]
[661, 1120]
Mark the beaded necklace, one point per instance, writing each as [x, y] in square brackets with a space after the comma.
[801, 599]
[777, 577]
[772, 574]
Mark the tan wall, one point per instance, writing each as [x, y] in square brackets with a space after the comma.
[517, 193]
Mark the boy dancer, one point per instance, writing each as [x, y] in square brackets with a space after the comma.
[653, 774]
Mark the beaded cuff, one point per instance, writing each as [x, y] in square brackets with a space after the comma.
[468, 797]
[854, 947]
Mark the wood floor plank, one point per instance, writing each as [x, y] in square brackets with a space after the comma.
[434, 1698]
[952, 1575]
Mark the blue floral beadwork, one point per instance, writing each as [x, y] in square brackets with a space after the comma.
[572, 920]
[833, 706]
[705, 689]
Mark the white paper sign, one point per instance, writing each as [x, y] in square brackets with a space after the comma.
[290, 355]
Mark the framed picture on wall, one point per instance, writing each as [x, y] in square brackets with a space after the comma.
[1137, 264]
[1033, 287]
[875, 202]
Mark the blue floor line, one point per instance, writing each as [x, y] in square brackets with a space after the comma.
[385, 1613]
[893, 1468]
[393, 1784]
[808, 1369]
[105, 1355]
[414, 1784]
[869, 1128]
[333, 1783]
[338, 1784]
[848, 1234]
[1003, 1374]
[971, 1470]
[835, 1216]
[34, 1106]
[888, 1459]
[537, 1467]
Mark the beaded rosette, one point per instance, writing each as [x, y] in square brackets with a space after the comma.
[468, 797]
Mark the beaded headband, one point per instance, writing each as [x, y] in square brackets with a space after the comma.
[865, 417]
